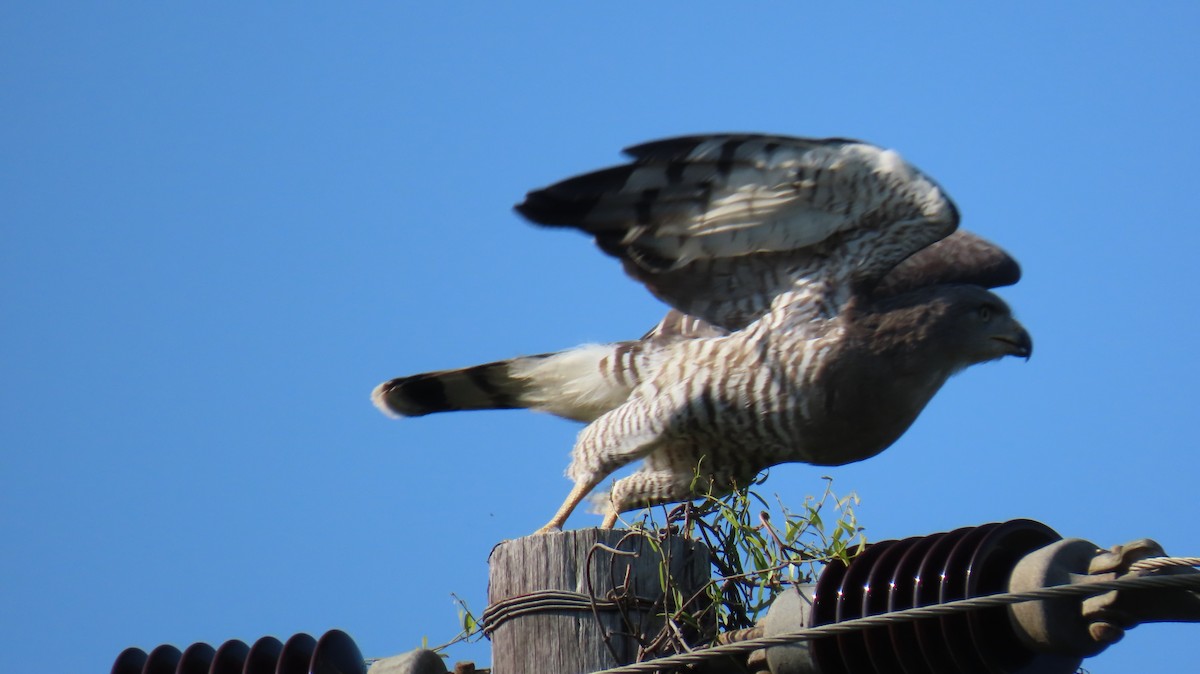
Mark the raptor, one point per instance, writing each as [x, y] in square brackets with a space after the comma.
[820, 295]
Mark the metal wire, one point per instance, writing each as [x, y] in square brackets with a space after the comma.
[936, 610]
[544, 601]
[1156, 563]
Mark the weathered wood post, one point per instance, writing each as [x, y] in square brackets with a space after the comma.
[541, 615]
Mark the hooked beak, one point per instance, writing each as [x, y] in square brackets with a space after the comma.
[1017, 341]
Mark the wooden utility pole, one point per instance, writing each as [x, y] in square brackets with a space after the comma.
[541, 615]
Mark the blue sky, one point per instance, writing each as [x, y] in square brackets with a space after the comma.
[223, 224]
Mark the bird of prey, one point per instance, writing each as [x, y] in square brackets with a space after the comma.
[820, 295]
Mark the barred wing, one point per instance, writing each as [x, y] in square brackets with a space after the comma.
[719, 225]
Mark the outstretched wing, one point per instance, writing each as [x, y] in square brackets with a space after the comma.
[719, 225]
[962, 257]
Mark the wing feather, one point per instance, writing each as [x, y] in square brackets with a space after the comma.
[718, 225]
[962, 257]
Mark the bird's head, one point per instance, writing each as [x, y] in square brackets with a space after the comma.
[979, 326]
[966, 324]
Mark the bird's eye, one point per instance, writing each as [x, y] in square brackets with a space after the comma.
[985, 313]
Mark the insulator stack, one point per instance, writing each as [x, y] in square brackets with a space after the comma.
[925, 570]
[334, 653]
[919, 571]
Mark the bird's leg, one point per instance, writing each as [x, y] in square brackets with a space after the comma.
[580, 490]
[647, 487]
[610, 518]
[596, 455]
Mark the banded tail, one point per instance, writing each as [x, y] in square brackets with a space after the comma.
[580, 384]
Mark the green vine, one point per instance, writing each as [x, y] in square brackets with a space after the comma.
[754, 556]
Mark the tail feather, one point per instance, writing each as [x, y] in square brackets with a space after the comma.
[482, 387]
[580, 383]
